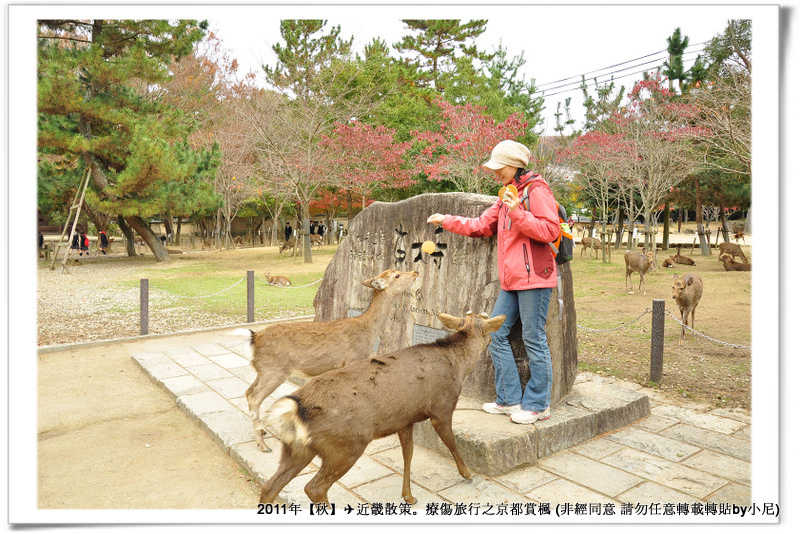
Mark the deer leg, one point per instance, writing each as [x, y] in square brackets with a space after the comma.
[265, 383]
[292, 462]
[406, 436]
[641, 283]
[334, 466]
[444, 427]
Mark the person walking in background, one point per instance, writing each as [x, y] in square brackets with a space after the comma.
[287, 231]
[527, 271]
[75, 245]
[84, 243]
[103, 242]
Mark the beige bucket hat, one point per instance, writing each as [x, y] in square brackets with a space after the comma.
[508, 152]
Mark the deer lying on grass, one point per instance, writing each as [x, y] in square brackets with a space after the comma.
[277, 280]
[336, 415]
[640, 263]
[733, 250]
[683, 260]
[669, 263]
[311, 348]
[686, 292]
[730, 265]
[592, 243]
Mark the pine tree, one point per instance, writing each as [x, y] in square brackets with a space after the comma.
[676, 45]
[97, 107]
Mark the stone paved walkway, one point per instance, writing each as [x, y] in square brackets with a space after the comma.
[679, 458]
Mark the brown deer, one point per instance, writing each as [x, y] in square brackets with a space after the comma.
[730, 265]
[316, 240]
[289, 244]
[592, 243]
[277, 280]
[206, 245]
[686, 292]
[640, 263]
[311, 348]
[336, 415]
[683, 260]
[732, 249]
[669, 263]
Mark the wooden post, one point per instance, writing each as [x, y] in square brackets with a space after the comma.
[657, 342]
[143, 305]
[251, 296]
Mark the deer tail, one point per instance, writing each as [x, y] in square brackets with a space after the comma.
[284, 418]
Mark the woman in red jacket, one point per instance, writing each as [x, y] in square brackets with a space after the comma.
[528, 275]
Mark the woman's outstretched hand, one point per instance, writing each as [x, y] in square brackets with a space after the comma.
[436, 218]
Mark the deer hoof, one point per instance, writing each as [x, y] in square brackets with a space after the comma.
[410, 499]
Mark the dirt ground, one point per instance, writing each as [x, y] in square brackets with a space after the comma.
[109, 438]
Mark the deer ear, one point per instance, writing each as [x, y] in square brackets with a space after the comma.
[494, 324]
[450, 322]
[378, 283]
[689, 282]
[674, 276]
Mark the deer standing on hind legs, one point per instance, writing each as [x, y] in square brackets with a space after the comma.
[336, 415]
[311, 348]
[686, 292]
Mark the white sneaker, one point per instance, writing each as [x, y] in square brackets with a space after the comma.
[491, 407]
[524, 417]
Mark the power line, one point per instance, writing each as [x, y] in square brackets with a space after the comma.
[577, 84]
[579, 76]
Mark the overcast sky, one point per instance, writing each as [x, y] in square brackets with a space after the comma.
[558, 42]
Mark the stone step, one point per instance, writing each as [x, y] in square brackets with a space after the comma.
[492, 445]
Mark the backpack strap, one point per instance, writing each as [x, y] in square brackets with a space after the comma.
[526, 204]
[553, 246]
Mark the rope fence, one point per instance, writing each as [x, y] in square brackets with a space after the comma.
[659, 313]
[144, 297]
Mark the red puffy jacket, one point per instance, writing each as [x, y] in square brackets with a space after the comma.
[524, 257]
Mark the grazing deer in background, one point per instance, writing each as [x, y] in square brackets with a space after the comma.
[311, 348]
[640, 263]
[337, 414]
[686, 292]
[733, 250]
[291, 243]
[277, 280]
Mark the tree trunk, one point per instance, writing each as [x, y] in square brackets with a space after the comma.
[665, 239]
[152, 240]
[304, 211]
[349, 208]
[724, 221]
[169, 229]
[130, 244]
[701, 231]
[177, 238]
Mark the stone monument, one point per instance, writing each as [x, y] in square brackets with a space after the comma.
[458, 276]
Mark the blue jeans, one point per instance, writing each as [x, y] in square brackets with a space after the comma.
[530, 306]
